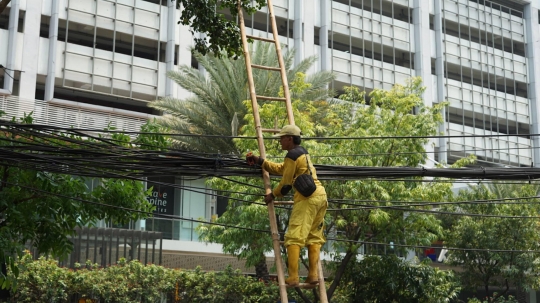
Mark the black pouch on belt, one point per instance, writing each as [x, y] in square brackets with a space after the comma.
[305, 184]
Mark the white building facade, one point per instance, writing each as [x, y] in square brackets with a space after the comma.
[94, 63]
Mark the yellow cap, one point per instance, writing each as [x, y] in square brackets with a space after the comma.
[289, 130]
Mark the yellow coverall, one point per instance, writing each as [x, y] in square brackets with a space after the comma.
[306, 221]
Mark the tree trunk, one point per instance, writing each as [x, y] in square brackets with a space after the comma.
[261, 270]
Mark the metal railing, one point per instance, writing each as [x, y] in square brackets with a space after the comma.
[71, 114]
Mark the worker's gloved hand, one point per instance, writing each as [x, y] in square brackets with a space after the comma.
[252, 159]
[269, 198]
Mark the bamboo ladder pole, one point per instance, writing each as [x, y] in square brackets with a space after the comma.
[262, 152]
[259, 131]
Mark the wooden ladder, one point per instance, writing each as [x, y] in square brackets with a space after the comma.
[259, 130]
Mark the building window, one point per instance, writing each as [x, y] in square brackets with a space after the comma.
[115, 37]
[20, 28]
[4, 19]
[392, 10]
[161, 2]
[261, 21]
[505, 43]
[44, 26]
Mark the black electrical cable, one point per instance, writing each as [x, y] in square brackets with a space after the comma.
[6, 123]
[438, 247]
[438, 212]
[144, 163]
[420, 203]
[164, 216]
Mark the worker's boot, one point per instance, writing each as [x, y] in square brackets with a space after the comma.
[313, 255]
[293, 254]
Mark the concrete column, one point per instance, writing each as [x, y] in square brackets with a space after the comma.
[12, 46]
[53, 43]
[422, 47]
[298, 31]
[185, 41]
[422, 58]
[30, 56]
[326, 15]
[169, 51]
[201, 68]
[309, 30]
[533, 61]
[439, 71]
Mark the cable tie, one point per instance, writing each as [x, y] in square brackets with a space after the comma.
[218, 163]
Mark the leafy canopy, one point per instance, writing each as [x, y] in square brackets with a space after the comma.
[222, 35]
[394, 280]
[43, 208]
[496, 270]
[388, 113]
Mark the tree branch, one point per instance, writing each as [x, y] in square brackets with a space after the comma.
[343, 266]
[4, 178]
[3, 5]
[302, 295]
[17, 202]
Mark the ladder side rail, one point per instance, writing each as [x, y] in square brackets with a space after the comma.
[322, 286]
[285, 83]
[262, 151]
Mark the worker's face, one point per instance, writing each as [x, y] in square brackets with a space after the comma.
[286, 142]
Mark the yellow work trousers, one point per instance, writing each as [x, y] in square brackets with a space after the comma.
[306, 222]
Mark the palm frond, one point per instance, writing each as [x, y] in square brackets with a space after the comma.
[218, 96]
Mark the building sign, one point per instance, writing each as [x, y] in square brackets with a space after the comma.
[162, 197]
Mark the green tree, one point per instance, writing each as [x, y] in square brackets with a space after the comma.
[217, 100]
[43, 208]
[393, 280]
[222, 35]
[496, 270]
[389, 114]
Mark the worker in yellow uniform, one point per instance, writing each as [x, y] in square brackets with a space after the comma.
[306, 221]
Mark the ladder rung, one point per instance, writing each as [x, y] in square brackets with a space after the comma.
[304, 286]
[271, 98]
[271, 130]
[282, 202]
[260, 38]
[266, 67]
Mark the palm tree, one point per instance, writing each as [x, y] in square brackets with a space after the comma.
[217, 99]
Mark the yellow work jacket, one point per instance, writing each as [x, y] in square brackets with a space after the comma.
[295, 164]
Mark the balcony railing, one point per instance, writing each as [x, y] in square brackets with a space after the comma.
[67, 114]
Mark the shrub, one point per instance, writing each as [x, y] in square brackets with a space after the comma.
[44, 281]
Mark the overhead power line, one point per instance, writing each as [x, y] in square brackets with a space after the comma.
[175, 217]
[56, 128]
[63, 153]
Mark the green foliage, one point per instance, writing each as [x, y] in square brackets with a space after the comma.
[44, 208]
[222, 35]
[132, 282]
[489, 269]
[498, 299]
[217, 99]
[42, 281]
[390, 113]
[391, 279]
